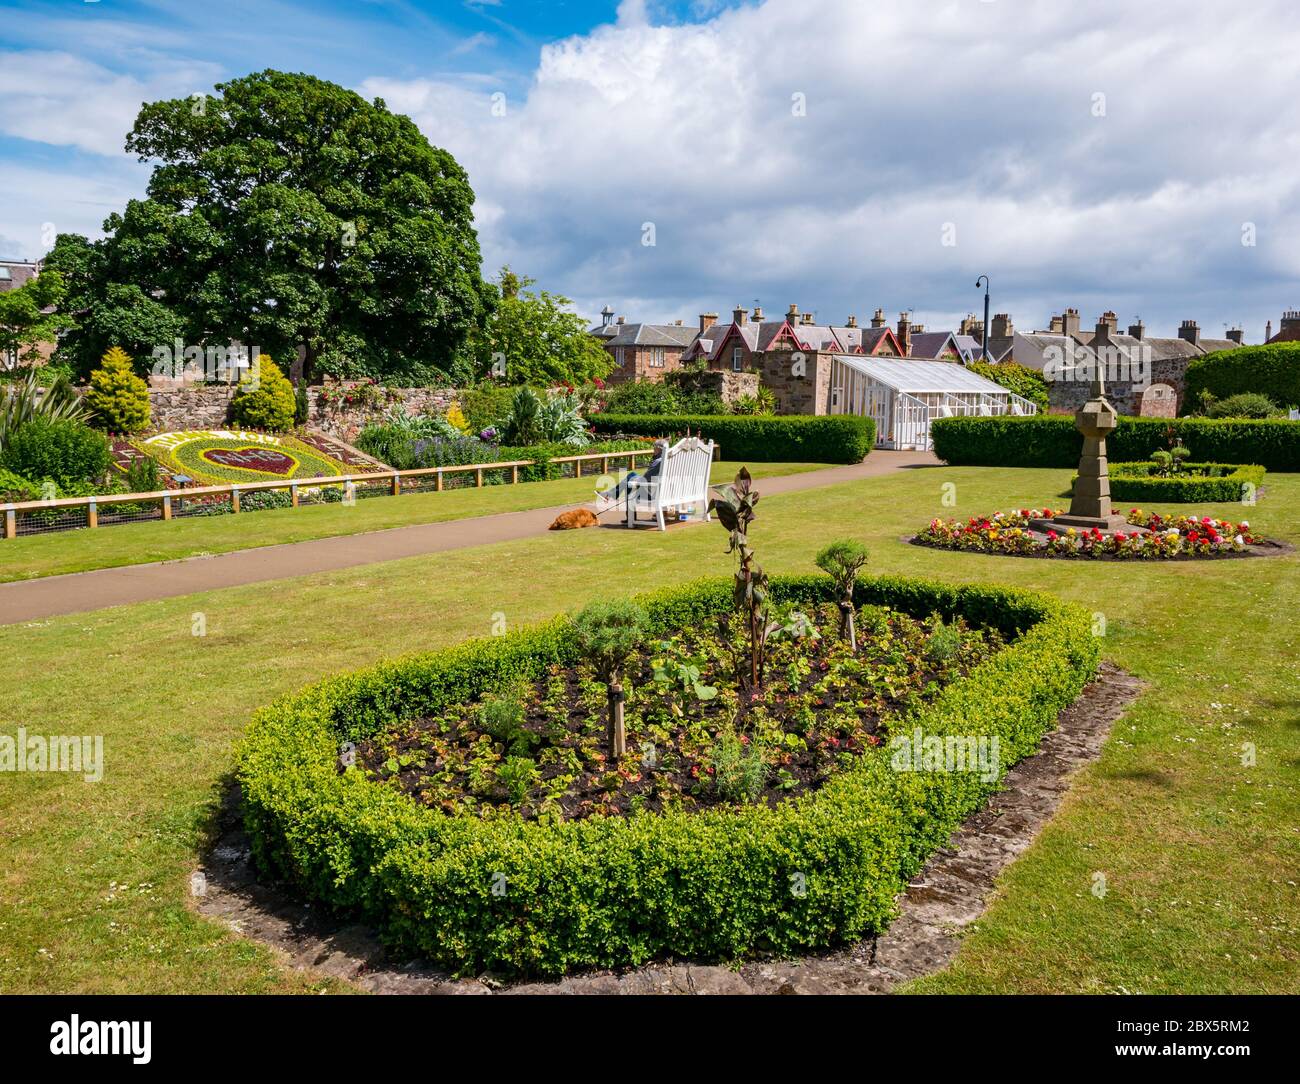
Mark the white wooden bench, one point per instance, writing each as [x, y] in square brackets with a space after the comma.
[682, 482]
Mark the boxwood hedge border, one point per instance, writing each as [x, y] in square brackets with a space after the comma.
[610, 892]
[761, 438]
[1133, 482]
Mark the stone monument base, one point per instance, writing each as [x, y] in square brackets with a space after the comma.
[1106, 524]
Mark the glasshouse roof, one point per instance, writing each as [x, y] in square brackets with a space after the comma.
[913, 375]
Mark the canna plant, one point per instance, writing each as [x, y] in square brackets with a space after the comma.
[842, 560]
[608, 634]
[735, 511]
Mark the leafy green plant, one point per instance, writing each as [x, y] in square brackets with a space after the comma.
[502, 716]
[119, 398]
[142, 475]
[944, 643]
[1270, 370]
[842, 560]
[518, 775]
[265, 399]
[734, 508]
[791, 623]
[764, 402]
[66, 452]
[1244, 404]
[25, 399]
[740, 770]
[607, 634]
[680, 675]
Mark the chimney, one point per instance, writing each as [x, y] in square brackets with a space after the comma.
[758, 314]
[1234, 335]
[793, 314]
[620, 320]
[852, 321]
[1054, 327]
[677, 323]
[1137, 330]
[879, 319]
[917, 329]
[1189, 331]
[1002, 328]
[606, 314]
[1290, 322]
[707, 320]
[1107, 324]
[740, 315]
[1070, 322]
[905, 333]
[1268, 331]
[806, 319]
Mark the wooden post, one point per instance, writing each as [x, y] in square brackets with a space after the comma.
[293, 496]
[577, 468]
[604, 465]
[234, 498]
[397, 485]
[92, 513]
[617, 729]
[478, 478]
[11, 523]
[514, 473]
[167, 507]
[437, 482]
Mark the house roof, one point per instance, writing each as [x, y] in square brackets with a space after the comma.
[1211, 345]
[920, 375]
[16, 273]
[652, 335]
[1034, 349]
[932, 344]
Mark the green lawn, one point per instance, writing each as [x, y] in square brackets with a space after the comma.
[137, 543]
[1200, 852]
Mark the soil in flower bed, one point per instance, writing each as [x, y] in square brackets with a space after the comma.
[694, 741]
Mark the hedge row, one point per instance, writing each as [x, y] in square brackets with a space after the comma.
[782, 438]
[1051, 440]
[610, 892]
[1217, 483]
[1272, 369]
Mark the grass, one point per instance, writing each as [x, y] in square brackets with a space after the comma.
[53, 554]
[1200, 853]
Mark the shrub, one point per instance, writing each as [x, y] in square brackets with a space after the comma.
[265, 400]
[607, 635]
[15, 488]
[1245, 404]
[119, 398]
[485, 405]
[1272, 369]
[842, 560]
[662, 398]
[142, 475]
[792, 438]
[553, 418]
[26, 400]
[66, 452]
[611, 892]
[1052, 441]
[1208, 483]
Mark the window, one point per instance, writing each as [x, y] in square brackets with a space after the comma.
[737, 358]
[835, 397]
[618, 355]
[656, 357]
[5, 276]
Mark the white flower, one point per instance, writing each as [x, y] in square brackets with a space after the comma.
[1171, 534]
[1239, 540]
[1245, 524]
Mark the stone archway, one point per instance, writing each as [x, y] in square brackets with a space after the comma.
[1158, 401]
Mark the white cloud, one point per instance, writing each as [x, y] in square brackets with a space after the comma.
[981, 115]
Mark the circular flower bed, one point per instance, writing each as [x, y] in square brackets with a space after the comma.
[521, 892]
[1164, 537]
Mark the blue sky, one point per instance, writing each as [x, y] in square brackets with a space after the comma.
[837, 154]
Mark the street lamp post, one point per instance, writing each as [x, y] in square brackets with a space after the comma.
[984, 339]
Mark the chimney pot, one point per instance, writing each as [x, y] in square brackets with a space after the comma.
[1234, 335]
[707, 320]
[1189, 332]
[740, 315]
[852, 321]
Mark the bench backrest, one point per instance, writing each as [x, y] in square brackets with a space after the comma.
[684, 477]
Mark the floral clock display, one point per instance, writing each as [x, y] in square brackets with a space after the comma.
[219, 456]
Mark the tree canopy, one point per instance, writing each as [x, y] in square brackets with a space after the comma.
[290, 214]
[27, 318]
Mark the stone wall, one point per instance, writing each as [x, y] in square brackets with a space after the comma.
[207, 406]
[730, 386]
[1127, 396]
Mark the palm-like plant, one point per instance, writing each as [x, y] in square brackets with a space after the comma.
[841, 561]
[24, 401]
[608, 634]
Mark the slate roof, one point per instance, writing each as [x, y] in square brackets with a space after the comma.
[652, 335]
[20, 272]
[931, 344]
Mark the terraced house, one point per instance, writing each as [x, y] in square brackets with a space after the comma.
[642, 351]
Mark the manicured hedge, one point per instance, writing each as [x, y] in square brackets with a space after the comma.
[1051, 440]
[1272, 369]
[1219, 483]
[781, 438]
[608, 892]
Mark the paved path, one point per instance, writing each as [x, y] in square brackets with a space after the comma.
[34, 600]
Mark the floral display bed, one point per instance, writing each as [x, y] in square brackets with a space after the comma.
[225, 457]
[1155, 537]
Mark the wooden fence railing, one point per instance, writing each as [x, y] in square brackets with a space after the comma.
[163, 504]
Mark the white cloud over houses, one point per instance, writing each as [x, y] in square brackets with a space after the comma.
[1106, 156]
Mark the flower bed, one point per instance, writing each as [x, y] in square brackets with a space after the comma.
[1165, 537]
[221, 457]
[1208, 483]
[546, 896]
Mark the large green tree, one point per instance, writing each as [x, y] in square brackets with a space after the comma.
[536, 339]
[293, 215]
[28, 318]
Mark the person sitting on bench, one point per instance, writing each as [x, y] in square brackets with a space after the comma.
[616, 493]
